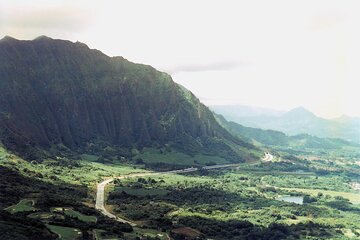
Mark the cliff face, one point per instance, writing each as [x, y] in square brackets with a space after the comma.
[59, 92]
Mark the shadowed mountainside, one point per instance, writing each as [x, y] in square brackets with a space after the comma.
[55, 92]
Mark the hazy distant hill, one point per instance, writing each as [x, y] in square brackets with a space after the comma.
[63, 94]
[232, 112]
[277, 138]
[296, 121]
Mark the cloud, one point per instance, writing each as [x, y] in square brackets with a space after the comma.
[214, 66]
[327, 21]
[234, 52]
[46, 18]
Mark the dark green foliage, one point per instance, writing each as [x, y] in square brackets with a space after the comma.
[110, 225]
[20, 227]
[139, 206]
[192, 195]
[235, 229]
[15, 187]
[309, 199]
[343, 205]
[200, 195]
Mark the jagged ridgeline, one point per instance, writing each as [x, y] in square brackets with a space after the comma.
[58, 93]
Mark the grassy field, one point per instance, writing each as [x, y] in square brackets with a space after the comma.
[87, 173]
[75, 214]
[80, 216]
[65, 233]
[25, 205]
[194, 202]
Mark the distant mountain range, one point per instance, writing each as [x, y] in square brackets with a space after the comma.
[293, 122]
[233, 112]
[57, 96]
[273, 138]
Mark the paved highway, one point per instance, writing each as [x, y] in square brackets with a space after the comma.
[100, 195]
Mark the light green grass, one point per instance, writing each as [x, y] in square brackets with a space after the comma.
[92, 171]
[87, 173]
[25, 205]
[74, 214]
[80, 216]
[65, 233]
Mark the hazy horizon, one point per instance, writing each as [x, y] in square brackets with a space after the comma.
[278, 55]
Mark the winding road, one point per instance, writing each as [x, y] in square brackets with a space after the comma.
[100, 194]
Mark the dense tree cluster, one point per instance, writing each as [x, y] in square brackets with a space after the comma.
[235, 229]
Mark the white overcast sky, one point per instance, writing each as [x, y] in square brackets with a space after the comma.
[276, 54]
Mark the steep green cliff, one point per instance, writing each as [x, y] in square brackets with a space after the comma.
[59, 93]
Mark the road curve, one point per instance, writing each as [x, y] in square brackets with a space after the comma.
[100, 194]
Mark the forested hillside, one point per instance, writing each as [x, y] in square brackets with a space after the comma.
[58, 95]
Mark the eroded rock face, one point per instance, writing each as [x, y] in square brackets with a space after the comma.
[59, 92]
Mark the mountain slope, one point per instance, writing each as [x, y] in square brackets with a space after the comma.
[296, 121]
[63, 94]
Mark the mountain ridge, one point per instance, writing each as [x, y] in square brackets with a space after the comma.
[56, 92]
[299, 111]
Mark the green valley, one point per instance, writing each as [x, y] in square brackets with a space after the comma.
[241, 201]
[97, 147]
